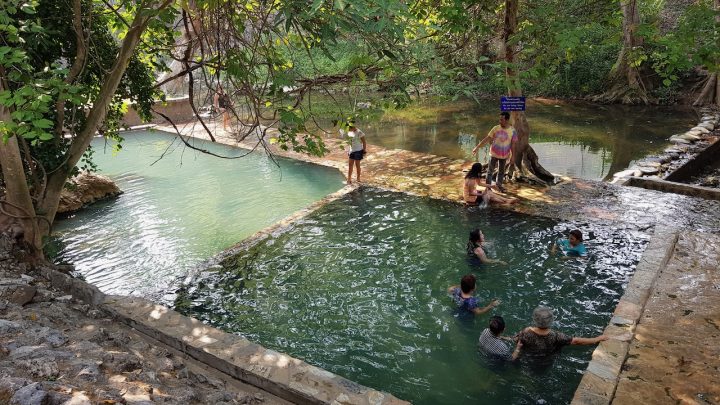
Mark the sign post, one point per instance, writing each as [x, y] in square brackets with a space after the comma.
[512, 103]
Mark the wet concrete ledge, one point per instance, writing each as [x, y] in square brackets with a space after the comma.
[673, 187]
[602, 375]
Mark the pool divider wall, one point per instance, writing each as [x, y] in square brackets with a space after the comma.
[673, 187]
[601, 377]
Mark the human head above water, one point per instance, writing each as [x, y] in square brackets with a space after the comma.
[577, 235]
[475, 171]
[543, 317]
[467, 283]
[496, 325]
[476, 235]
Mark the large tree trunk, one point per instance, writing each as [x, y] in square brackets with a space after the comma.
[627, 85]
[16, 209]
[710, 94]
[522, 151]
[43, 215]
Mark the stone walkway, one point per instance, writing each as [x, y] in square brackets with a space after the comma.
[675, 354]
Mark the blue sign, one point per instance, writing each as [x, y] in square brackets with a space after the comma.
[512, 103]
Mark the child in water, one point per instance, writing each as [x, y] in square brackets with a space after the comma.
[464, 297]
[572, 246]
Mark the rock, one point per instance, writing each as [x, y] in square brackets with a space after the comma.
[648, 170]
[625, 173]
[677, 139]
[16, 291]
[43, 295]
[673, 150]
[364, 105]
[53, 337]
[13, 383]
[707, 125]
[32, 394]
[58, 398]
[40, 367]
[90, 372]
[79, 398]
[121, 362]
[86, 188]
[700, 129]
[8, 326]
[646, 163]
[691, 137]
[64, 298]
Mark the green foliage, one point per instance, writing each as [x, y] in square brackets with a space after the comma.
[39, 45]
[695, 42]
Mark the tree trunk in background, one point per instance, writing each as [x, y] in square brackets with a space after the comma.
[17, 207]
[627, 85]
[710, 94]
[522, 151]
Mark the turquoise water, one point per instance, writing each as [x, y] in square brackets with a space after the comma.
[179, 210]
[359, 288]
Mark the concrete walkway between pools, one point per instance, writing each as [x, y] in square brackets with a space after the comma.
[675, 354]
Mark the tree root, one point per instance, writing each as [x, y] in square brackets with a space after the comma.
[710, 94]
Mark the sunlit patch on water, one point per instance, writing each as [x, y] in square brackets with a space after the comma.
[359, 288]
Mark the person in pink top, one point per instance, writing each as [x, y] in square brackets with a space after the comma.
[502, 137]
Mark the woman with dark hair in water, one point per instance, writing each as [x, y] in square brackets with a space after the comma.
[471, 194]
[474, 248]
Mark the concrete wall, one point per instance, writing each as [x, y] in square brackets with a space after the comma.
[177, 109]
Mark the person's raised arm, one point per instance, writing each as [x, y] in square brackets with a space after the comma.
[491, 305]
[451, 289]
[588, 341]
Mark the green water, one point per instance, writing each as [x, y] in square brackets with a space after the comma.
[359, 288]
[575, 138]
[179, 210]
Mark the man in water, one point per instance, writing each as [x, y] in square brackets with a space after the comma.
[502, 136]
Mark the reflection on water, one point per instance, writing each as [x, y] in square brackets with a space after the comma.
[180, 210]
[359, 288]
[578, 139]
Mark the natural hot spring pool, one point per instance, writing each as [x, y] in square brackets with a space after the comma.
[180, 210]
[359, 288]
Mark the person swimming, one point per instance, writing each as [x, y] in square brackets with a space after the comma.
[573, 246]
[475, 248]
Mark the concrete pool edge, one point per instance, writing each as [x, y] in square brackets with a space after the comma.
[279, 374]
[601, 377]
